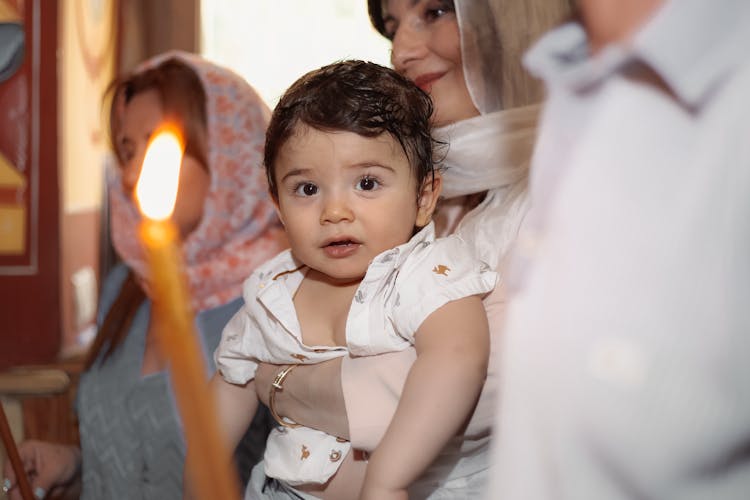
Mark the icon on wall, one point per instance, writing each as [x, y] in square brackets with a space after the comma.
[12, 211]
[16, 207]
[11, 39]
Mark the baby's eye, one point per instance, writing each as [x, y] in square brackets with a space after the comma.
[306, 189]
[367, 183]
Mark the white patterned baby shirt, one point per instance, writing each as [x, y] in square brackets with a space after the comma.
[401, 288]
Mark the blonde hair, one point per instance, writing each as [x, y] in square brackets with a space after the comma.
[494, 36]
[518, 24]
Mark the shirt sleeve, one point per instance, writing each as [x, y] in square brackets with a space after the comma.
[233, 357]
[372, 385]
[435, 274]
[210, 324]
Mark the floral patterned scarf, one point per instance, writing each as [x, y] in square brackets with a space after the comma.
[239, 229]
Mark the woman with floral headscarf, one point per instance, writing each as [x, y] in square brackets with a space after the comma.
[131, 441]
[467, 55]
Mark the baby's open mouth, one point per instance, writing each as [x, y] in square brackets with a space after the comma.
[341, 248]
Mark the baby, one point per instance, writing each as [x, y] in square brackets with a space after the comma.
[349, 161]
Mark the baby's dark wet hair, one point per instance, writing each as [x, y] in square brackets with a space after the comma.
[360, 97]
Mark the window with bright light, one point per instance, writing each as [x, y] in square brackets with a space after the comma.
[271, 43]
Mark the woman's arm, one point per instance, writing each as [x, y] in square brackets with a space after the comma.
[312, 395]
[356, 398]
[352, 398]
[438, 398]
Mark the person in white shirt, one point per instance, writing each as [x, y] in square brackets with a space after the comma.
[349, 161]
[625, 371]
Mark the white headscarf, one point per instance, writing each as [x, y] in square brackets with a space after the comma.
[491, 152]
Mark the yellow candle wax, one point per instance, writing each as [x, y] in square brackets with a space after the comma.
[211, 472]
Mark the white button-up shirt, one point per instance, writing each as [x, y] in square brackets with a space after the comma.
[625, 366]
[401, 288]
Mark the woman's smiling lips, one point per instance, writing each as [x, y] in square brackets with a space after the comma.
[426, 80]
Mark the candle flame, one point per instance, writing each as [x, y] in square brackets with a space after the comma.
[156, 190]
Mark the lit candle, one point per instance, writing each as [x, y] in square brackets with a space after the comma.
[212, 474]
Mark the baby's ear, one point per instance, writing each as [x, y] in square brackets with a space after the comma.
[428, 197]
[278, 209]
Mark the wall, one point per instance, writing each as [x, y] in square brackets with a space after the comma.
[50, 188]
[29, 268]
[272, 43]
[151, 27]
[87, 65]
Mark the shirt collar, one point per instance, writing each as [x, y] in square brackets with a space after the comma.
[690, 44]
[293, 270]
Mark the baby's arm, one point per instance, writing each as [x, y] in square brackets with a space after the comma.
[439, 395]
[235, 408]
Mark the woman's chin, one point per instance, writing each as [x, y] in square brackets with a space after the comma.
[449, 116]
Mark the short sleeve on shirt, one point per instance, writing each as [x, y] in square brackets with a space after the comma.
[232, 356]
[436, 273]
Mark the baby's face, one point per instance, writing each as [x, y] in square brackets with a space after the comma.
[345, 198]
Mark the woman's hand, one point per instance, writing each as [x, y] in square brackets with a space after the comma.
[312, 395]
[50, 467]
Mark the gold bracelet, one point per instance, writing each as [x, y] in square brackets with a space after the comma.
[278, 385]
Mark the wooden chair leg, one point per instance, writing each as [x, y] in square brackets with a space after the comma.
[15, 460]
